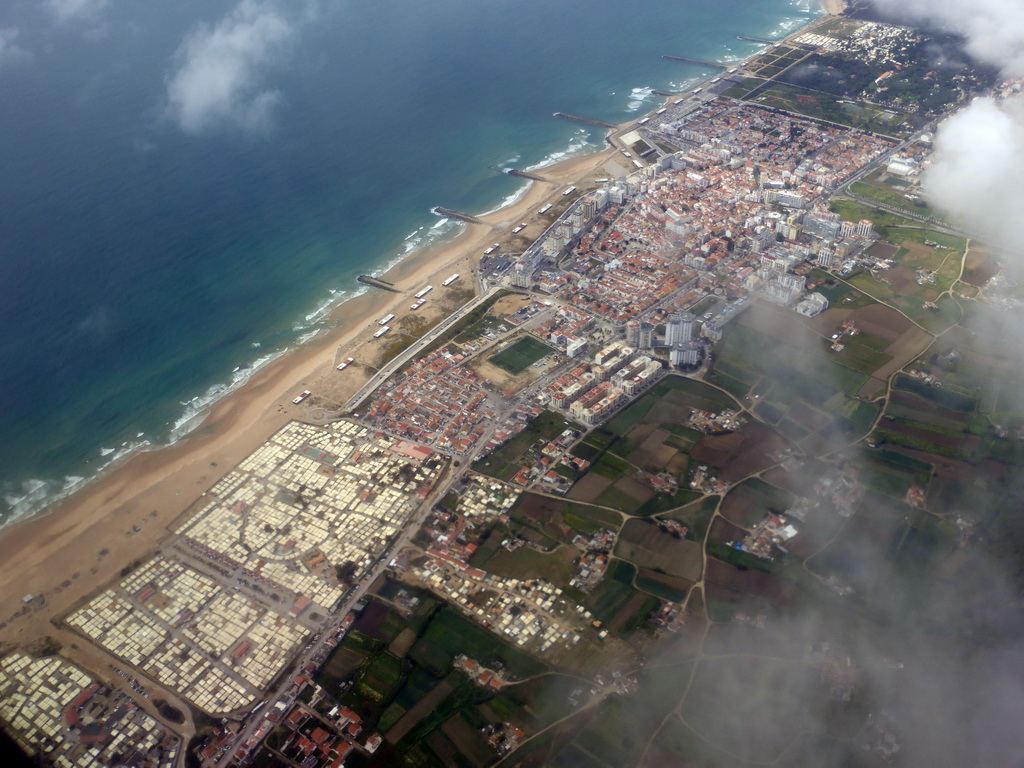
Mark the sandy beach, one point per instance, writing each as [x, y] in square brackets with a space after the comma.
[80, 543]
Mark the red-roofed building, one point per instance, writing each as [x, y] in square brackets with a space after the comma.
[349, 715]
[301, 604]
[241, 650]
[71, 714]
[411, 450]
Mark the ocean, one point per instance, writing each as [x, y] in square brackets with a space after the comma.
[186, 187]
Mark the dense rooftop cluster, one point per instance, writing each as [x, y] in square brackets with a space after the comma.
[58, 714]
[871, 42]
[702, 220]
[436, 401]
[276, 540]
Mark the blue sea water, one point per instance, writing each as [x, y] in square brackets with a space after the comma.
[146, 267]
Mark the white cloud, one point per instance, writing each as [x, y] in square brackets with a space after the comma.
[994, 28]
[977, 171]
[74, 10]
[218, 79]
[10, 52]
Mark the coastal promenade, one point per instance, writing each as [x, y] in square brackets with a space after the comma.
[414, 349]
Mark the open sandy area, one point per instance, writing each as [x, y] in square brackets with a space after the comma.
[84, 541]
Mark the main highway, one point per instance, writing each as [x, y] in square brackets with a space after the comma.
[414, 349]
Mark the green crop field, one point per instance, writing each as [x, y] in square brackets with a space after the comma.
[613, 592]
[380, 676]
[449, 634]
[504, 462]
[519, 356]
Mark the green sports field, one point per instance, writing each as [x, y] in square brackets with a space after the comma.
[520, 355]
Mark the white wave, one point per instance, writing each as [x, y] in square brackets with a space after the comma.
[27, 498]
[786, 27]
[321, 310]
[34, 495]
[515, 197]
[256, 345]
[685, 85]
[197, 406]
[442, 229]
[106, 451]
[126, 449]
[307, 336]
[637, 97]
[71, 482]
[579, 144]
[26, 492]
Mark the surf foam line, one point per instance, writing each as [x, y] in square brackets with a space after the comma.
[26, 499]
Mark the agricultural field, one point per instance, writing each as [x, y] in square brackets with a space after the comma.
[890, 190]
[840, 294]
[449, 634]
[379, 678]
[980, 266]
[750, 502]
[649, 436]
[508, 458]
[804, 393]
[613, 733]
[696, 516]
[614, 592]
[645, 545]
[528, 563]
[559, 521]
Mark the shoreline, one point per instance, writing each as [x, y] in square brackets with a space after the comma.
[83, 540]
[75, 544]
[325, 325]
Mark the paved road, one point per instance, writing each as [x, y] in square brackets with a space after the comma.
[413, 349]
[317, 651]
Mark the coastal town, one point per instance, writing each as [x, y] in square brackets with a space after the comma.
[591, 456]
